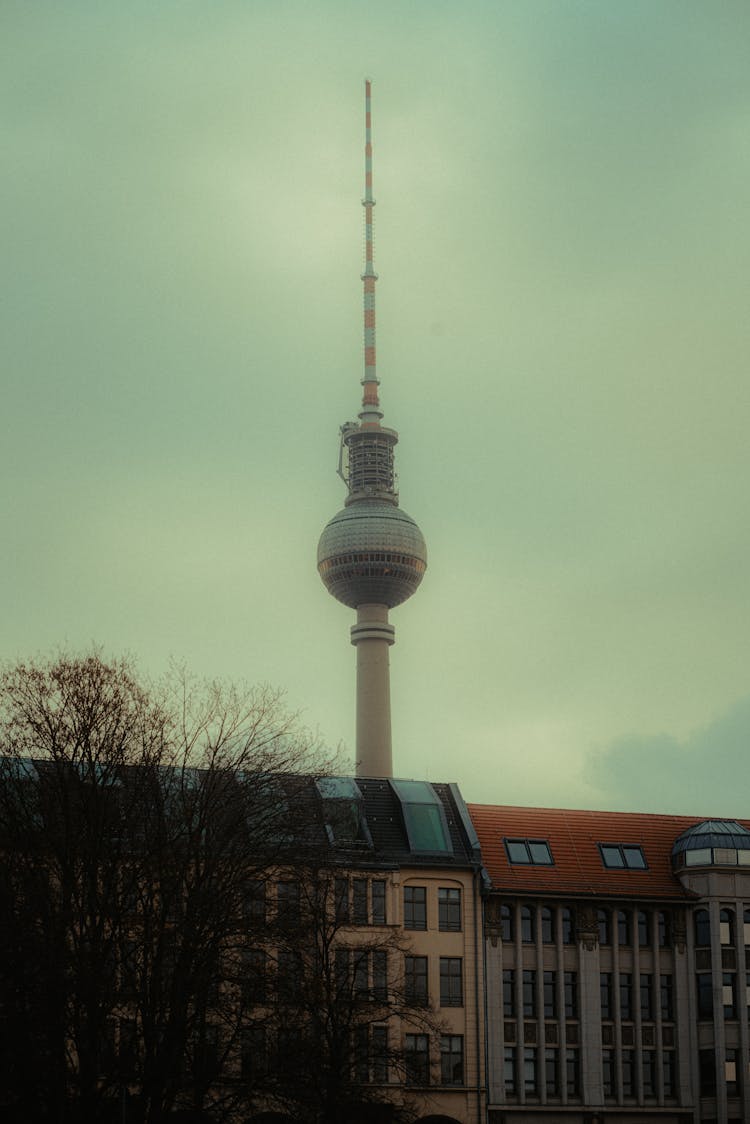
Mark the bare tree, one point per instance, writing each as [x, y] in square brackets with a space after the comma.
[133, 819]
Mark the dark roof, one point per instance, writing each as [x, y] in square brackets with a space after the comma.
[574, 836]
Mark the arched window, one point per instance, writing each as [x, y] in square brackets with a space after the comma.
[702, 928]
[506, 923]
[664, 928]
[623, 927]
[527, 924]
[547, 922]
[644, 929]
[602, 920]
[567, 918]
[726, 926]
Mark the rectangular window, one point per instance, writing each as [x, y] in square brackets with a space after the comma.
[547, 925]
[451, 981]
[287, 904]
[529, 852]
[449, 910]
[550, 995]
[361, 974]
[730, 1072]
[377, 887]
[359, 901]
[527, 924]
[570, 987]
[649, 1073]
[647, 996]
[362, 1054]
[626, 995]
[669, 1069]
[573, 1073]
[705, 995]
[622, 856]
[551, 1072]
[664, 929]
[707, 1072]
[415, 980]
[529, 993]
[644, 929]
[567, 919]
[509, 993]
[509, 1069]
[417, 1059]
[623, 927]
[605, 991]
[628, 1073]
[609, 1073]
[254, 976]
[289, 976]
[380, 1054]
[342, 967]
[415, 907]
[602, 921]
[341, 892]
[530, 1070]
[729, 995]
[452, 1059]
[255, 903]
[380, 975]
[667, 1001]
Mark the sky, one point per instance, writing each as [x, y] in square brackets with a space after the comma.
[562, 241]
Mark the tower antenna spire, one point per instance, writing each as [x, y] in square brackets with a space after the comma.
[371, 412]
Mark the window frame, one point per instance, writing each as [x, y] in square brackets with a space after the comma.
[519, 851]
[623, 850]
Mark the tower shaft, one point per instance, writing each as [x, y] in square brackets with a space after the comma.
[372, 636]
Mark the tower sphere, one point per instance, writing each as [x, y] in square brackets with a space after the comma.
[371, 553]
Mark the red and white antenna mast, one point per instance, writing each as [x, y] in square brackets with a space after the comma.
[371, 412]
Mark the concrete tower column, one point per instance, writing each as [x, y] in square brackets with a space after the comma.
[372, 636]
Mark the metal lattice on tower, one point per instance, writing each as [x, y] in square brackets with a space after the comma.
[371, 555]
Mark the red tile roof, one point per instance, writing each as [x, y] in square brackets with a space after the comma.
[573, 837]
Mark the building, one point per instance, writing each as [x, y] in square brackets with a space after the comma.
[617, 952]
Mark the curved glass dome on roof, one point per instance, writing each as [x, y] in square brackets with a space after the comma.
[713, 843]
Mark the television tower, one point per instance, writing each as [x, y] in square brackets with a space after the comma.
[371, 555]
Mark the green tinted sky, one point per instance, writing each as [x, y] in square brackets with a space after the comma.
[562, 240]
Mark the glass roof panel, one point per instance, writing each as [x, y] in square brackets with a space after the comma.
[338, 788]
[424, 818]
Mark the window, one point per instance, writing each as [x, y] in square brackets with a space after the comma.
[534, 852]
[746, 928]
[415, 980]
[644, 929]
[255, 903]
[550, 995]
[570, 989]
[707, 1072]
[509, 1069]
[609, 1073]
[287, 904]
[551, 1072]
[380, 975]
[626, 995]
[417, 1059]
[530, 1072]
[730, 1072]
[669, 1070]
[527, 924]
[341, 905]
[361, 974]
[449, 910]
[667, 1000]
[509, 993]
[415, 907]
[567, 918]
[605, 991]
[424, 818]
[602, 920]
[573, 1073]
[623, 927]
[529, 993]
[702, 928]
[377, 890]
[649, 1073]
[664, 929]
[343, 810]
[254, 1061]
[729, 995]
[254, 976]
[359, 901]
[289, 975]
[452, 1059]
[705, 995]
[380, 1054]
[451, 982]
[622, 856]
[506, 923]
[726, 926]
[362, 1053]
[628, 1073]
[647, 996]
[546, 921]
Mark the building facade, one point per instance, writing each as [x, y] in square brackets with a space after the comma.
[617, 950]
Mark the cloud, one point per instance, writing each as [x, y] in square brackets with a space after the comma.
[703, 774]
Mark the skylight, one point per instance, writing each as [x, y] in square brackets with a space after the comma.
[622, 856]
[424, 818]
[343, 810]
[529, 852]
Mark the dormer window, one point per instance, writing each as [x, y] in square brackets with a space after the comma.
[343, 811]
[622, 856]
[528, 852]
